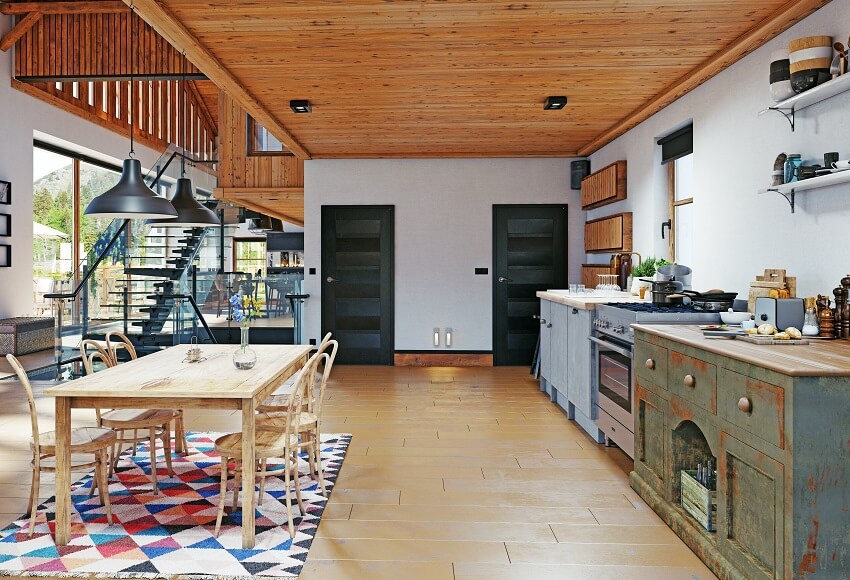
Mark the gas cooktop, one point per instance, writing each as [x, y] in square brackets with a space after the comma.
[614, 319]
[650, 307]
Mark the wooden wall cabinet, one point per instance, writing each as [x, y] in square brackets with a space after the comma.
[604, 186]
[590, 274]
[612, 233]
[780, 444]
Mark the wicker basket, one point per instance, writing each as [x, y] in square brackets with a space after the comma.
[23, 335]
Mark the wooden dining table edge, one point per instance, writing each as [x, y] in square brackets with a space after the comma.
[64, 402]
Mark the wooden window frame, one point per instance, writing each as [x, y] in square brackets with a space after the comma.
[251, 142]
[673, 203]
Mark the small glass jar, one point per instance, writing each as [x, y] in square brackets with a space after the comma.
[810, 323]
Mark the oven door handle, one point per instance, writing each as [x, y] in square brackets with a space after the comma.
[609, 346]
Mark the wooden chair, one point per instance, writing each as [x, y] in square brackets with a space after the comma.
[273, 411]
[180, 444]
[83, 440]
[269, 444]
[156, 422]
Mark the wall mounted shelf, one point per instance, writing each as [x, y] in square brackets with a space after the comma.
[829, 89]
[789, 190]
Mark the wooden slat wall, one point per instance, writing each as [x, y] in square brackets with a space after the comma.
[256, 182]
[158, 113]
[66, 46]
[609, 234]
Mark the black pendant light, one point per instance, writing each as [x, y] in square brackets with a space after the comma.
[190, 212]
[131, 198]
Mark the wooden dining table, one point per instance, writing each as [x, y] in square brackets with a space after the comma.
[165, 380]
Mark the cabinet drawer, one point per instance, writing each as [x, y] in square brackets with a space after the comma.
[650, 437]
[651, 363]
[753, 405]
[693, 379]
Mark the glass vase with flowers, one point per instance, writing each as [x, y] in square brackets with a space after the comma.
[244, 309]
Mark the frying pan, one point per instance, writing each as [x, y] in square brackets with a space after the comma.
[711, 295]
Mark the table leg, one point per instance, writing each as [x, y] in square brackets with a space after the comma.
[248, 476]
[63, 471]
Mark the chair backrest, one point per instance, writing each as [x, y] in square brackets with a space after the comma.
[299, 396]
[320, 381]
[112, 345]
[25, 381]
[91, 350]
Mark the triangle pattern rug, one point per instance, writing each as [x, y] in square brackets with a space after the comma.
[158, 536]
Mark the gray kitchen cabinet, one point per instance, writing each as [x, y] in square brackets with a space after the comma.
[545, 342]
[578, 362]
[774, 421]
[559, 350]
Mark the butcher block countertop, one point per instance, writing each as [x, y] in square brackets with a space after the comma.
[585, 302]
[819, 358]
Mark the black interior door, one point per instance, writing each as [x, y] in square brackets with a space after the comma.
[357, 282]
[529, 254]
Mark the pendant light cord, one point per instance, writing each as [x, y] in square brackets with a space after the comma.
[185, 97]
[132, 79]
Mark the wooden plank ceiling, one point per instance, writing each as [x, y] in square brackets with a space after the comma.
[462, 78]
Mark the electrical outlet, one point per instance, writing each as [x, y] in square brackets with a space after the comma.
[311, 271]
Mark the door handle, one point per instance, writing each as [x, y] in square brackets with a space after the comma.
[502, 279]
[331, 279]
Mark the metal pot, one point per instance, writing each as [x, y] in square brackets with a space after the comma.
[665, 298]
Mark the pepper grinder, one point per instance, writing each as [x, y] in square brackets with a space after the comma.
[826, 317]
[845, 307]
[839, 309]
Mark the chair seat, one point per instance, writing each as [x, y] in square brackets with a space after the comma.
[136, 418]
[266, 444]
[277, 422]
[83, 440]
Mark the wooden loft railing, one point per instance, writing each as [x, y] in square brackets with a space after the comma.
[78, 56]
[158, 110]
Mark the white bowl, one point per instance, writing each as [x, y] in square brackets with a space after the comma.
[734, 317]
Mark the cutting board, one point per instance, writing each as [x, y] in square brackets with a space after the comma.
[772, 279]
[755, 339]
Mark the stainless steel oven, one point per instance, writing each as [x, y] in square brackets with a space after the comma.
[614, 382]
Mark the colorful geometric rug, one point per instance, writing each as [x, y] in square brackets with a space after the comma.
[159, 536]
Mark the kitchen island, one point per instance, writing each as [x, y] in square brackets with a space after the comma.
[566, 365]
[775, 422]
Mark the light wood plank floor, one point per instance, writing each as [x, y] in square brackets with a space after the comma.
[453, 473]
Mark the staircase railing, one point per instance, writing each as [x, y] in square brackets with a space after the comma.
[82, 302]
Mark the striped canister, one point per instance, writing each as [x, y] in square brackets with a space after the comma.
[810, 58]
[780, 76]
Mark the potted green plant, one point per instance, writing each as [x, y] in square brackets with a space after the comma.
[646, 269]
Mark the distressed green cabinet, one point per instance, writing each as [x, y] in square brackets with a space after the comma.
[776, 420]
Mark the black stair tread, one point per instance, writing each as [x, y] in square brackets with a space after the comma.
[159, 272]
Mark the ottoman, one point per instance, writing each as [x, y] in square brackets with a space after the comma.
[26, 334]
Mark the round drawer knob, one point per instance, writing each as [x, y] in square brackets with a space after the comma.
[745, 405]
[650, 364]
[690, 381]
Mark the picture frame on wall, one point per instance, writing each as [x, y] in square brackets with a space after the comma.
[5, 192]
[5, 224]
[5, 255]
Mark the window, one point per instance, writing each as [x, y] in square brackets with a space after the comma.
[261, 142]
[677, 151]
[681, 195]
[249, 256]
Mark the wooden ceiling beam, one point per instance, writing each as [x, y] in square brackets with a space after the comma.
[164, 22]
[104, 7]
[777, 23]
[287, 211]
[22, 27]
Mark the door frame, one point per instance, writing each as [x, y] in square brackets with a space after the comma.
[494, 279]
[388, 346]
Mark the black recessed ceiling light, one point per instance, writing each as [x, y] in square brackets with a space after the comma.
[555, 103]
[300, 106]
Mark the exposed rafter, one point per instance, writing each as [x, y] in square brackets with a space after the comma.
[22, 27]
[106, 6]
[180, 37]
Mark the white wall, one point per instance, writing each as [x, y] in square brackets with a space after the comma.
[20, 116]
[738, 232]
[443, 230]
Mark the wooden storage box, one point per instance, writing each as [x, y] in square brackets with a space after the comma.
[612, 233]
[699, 501]
[605, 186]
[25, 334]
